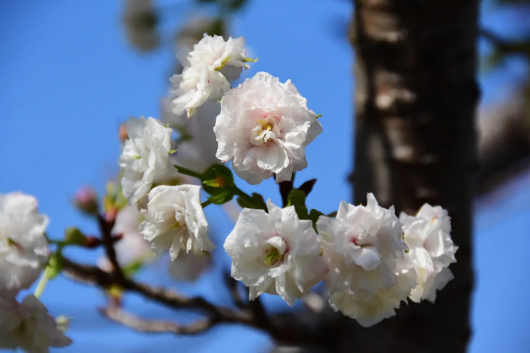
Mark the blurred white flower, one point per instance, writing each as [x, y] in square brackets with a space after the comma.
[229, 57]
[368, 273]
[23, 245]
[275, 253]
[188, 266]
[145, 157]
[196, 146]
[207, 70]
[28, 326]
[428, 235]
[175, 220]
[132, 247]
[264, 127]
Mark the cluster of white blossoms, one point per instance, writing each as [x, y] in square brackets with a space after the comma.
[370, 260]
[207, 72]
[367, 264]
[23, 256]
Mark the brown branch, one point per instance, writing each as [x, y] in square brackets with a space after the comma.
[154, 326]
[105, 227]
[507, 47]
[289, 327]
[95, 276]
[233, 288]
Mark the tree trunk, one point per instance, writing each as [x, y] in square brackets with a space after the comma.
[416, 96]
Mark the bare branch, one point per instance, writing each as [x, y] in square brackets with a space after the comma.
[171, 299]
[233, 288]
[154, 326]
[508, 47]
[105, 227]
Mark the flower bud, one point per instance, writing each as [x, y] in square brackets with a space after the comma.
[75, 236]
[122, 132]
[86, 200]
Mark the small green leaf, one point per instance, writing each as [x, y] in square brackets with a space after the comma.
[307, 187]
[221, 198]
[296, 198]
[259, 202]
[318, 116]
[314, 215]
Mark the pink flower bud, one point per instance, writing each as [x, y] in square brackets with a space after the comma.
[86, 200]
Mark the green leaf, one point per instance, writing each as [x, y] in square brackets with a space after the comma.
[307, 187]
[221, 198]
[244, 203]
[314, 215]
[259, 202]
[301, 211]
[296, 198]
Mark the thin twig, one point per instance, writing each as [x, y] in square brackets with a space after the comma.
[233, 288]
[154, 326]
[105, 227]
[505, 46]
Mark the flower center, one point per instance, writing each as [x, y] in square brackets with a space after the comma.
[264, 132]
[273, 257]
[275, 252]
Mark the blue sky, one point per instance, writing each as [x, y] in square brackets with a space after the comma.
[68, 78]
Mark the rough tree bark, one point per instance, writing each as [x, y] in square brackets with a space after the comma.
[416, 95]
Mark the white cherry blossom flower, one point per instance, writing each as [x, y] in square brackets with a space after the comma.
[23, 246]
[369, 274]
[28, 326]
[431, 250]
[132, 247]
[275, 253]
[264, 128]
[175, 221]
[145, 157]
[207, 70]
[228, 57]
[194, 87]
[361, 246]
[370, 308]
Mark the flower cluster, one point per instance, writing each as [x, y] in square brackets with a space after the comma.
[369, 260]
[367, 264]
[23, 256]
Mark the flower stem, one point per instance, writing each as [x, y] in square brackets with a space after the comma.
[186, 171]
[243, 194]
[42, 283]
[206, 203]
